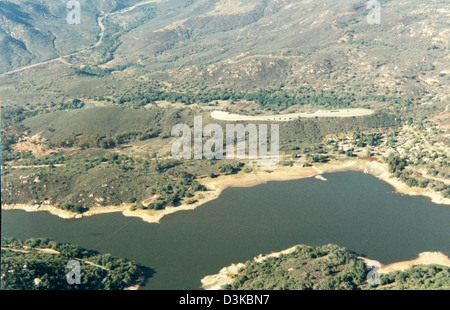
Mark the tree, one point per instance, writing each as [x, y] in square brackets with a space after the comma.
[395, 163]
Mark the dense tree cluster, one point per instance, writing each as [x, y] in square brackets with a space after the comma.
[429, 277]
[97, 178]
[25, 266]
[331, 268]
[323, 268]
[396, 163]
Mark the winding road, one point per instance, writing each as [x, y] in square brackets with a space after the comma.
[96, 44]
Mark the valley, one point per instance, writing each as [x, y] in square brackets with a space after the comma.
[88, 113]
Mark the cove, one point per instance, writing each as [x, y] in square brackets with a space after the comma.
[350, 209]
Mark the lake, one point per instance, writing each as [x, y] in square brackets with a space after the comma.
[350, 209]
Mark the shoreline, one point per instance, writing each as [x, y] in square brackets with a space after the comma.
[227, 274]
[133, 287]
[217, 185]
[424, 258]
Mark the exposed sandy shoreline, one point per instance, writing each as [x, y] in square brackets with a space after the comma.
[227, 274]
[380, 171]
[217, 185]
[424, 258]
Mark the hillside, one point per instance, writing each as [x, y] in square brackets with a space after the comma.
[105, 105]
[38, 30]
[40, 264]
[242, 45]
[328, 267]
